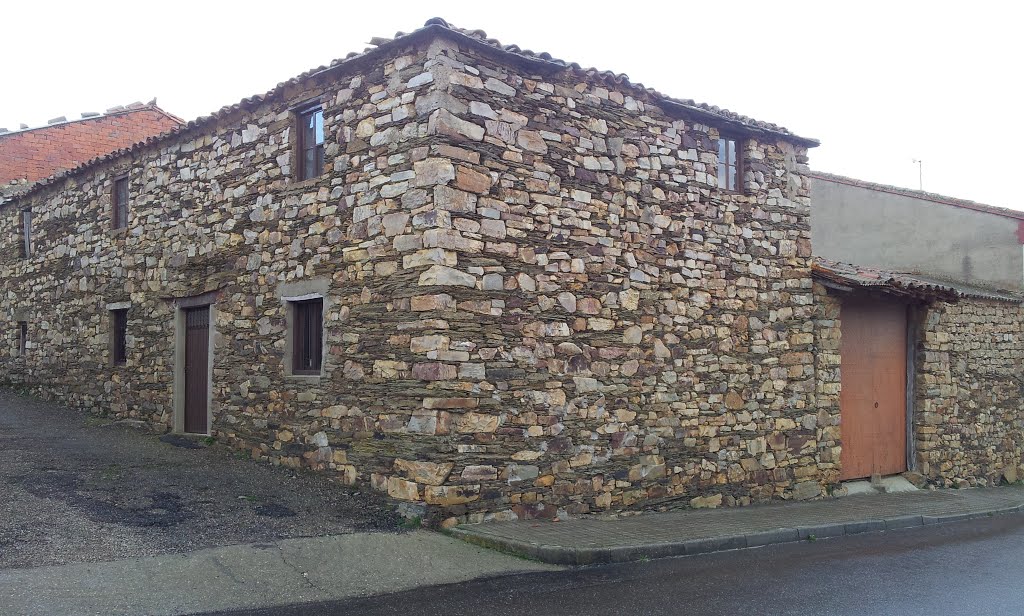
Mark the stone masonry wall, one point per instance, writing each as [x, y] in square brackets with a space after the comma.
[828, 380]
[217, 210]
[538, 301]
[969, 419]
[643, 337]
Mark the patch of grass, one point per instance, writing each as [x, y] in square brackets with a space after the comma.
[209, 440]
[812, 538]
[412, 523]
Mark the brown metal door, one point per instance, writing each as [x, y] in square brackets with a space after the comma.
[197, 368]
[873, 400]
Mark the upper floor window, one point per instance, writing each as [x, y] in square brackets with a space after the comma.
[729, 174]
[26, 233]
[310, 142]
[120, 202]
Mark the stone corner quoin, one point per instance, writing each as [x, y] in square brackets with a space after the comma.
[536, 298]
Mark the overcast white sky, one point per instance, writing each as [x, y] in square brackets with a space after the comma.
[879, 83]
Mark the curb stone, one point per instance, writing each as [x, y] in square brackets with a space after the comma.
[581, 556]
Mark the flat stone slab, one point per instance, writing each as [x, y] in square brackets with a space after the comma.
[607, 539]
[896, 483]
[858, 488]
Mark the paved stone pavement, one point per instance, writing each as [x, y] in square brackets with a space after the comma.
[606, 539]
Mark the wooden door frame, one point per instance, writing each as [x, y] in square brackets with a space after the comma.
[180, 308]
[916, 313]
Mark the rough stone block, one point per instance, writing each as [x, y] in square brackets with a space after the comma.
[706, 502]
[453, 200]
[422, 422]
[430, 256]
[423, 303]
[473, 181]
[451, 403]
[441, 275]
[433, 171]
[427, 473]
[472, 422]
[433, 342]
[403, 490]
[451, 495]
[442, 122]
[479, 473]
[434, 371]
[531, 141]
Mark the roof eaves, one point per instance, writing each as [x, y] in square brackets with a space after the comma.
[169, 115]
[478, 39]
[100, 116]
[847, 277]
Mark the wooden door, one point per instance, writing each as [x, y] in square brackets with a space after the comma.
[873, 399]
[197, 369]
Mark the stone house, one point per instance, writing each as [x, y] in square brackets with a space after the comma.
[930, 347]
[475, 277]
[31, 154]
[488, 282]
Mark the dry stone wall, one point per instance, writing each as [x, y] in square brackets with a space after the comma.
[538, 300]
[969, 418]
[218, 211]
[615, 331]
[828, 381]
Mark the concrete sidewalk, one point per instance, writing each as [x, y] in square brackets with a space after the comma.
[288, 571]
[593, 540]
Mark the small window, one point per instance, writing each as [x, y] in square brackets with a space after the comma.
[307, 336]
[119, 202]
[119, 336]
[22, 337]
[26, 233]
[729, 175]
[310, 142]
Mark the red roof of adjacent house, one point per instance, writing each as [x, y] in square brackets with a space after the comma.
[32, 154]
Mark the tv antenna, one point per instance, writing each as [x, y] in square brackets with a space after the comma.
[920, 176]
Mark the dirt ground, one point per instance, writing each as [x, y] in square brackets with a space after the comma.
[75, 488]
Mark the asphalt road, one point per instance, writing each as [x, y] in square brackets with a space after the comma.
[964, 568]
